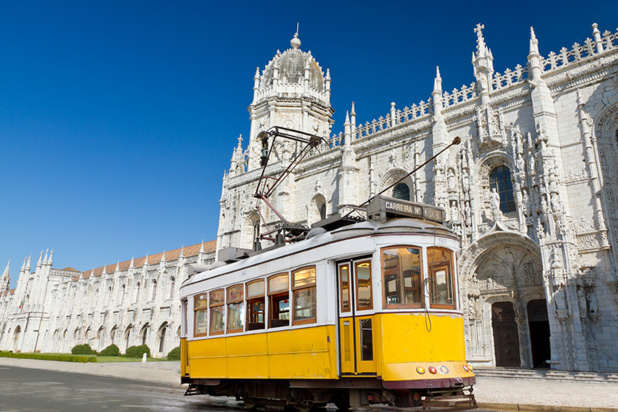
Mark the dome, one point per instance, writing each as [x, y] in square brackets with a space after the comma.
[291, 64]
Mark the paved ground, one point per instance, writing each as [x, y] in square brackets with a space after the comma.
[491, 393]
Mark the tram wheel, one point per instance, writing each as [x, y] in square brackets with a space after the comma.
[250, 403]
[342, 403]
[305, 407]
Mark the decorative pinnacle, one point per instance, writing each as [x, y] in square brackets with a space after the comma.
[257, 74]
[534, 43]
[437, 83]
[295, 42]
[481, 47]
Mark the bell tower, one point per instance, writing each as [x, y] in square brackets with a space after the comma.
[293, 92]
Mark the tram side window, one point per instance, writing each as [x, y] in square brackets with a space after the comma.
[401, 269]
[279, 298]
[303, 286]
[200, 310]
[217, 312]
[441, 292]
[255, 305]
[235, 309]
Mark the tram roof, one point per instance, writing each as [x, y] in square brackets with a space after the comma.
[365, 228]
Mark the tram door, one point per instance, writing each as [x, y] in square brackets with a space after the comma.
[356, 318]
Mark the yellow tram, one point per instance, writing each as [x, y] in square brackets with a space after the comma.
[357, 313]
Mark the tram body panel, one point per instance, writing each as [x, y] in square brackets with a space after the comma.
[307, 353]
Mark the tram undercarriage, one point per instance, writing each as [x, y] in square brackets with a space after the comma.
[305, 395]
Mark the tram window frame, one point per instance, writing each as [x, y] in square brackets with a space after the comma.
[344, 300]
[274, 300]
[200, 310]
[401, 277]
[217, 306]
[297, 289]
[434, 268]
[357, 285]
[231, 300]
[256, 299]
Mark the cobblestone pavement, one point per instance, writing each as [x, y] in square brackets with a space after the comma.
[544, 392]
[491, 393]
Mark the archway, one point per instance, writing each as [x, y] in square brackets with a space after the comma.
[538, 323]
[16, 339]
[500, 274]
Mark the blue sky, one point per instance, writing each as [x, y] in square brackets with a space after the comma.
[118, 118]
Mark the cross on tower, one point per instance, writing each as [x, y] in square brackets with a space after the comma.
[478, 29]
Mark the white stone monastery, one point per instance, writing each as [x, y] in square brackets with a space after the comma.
[532, 191]
[128, 303]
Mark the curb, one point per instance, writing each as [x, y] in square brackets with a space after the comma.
[518, 407]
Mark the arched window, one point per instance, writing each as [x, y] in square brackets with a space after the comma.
[172, 286]
[401, 191]
[144, 334]
[137, 289]
[500, 179]
[162, 331]
[323, 211]
[154, 290]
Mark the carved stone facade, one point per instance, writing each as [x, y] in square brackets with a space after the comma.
[129, 303]
[531, 191]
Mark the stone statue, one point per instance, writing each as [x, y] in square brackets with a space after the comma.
[452, 181]
[531, 164]
[494, 204]
[593, 308]
[560, 299]
[581, 300]
[525, 202]
[520, 163]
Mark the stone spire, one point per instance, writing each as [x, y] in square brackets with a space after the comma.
[182, 251]
[5, 280]
[104, 272]
[38, 264]
[146, 260]
[132, 265]
[437, 94]
[347, 130]
[483, 62]
[49, 259]
[163, 257]
[28, 263]
[117, 267]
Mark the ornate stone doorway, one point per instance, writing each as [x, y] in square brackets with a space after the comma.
[538, 324]
[506, 337]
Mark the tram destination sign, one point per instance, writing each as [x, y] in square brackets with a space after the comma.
[382, 206]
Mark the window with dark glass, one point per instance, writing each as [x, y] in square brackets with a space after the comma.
[255, 305]
[235, 308]
[401, 271]
[500, 179]
[441, 291]
[217, 312]
[303, 287]
[279, 301]
[200, 309]
[401, 191]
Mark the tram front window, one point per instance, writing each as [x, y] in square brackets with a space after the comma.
[279, 298]
[440, 263]
[401, 269]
